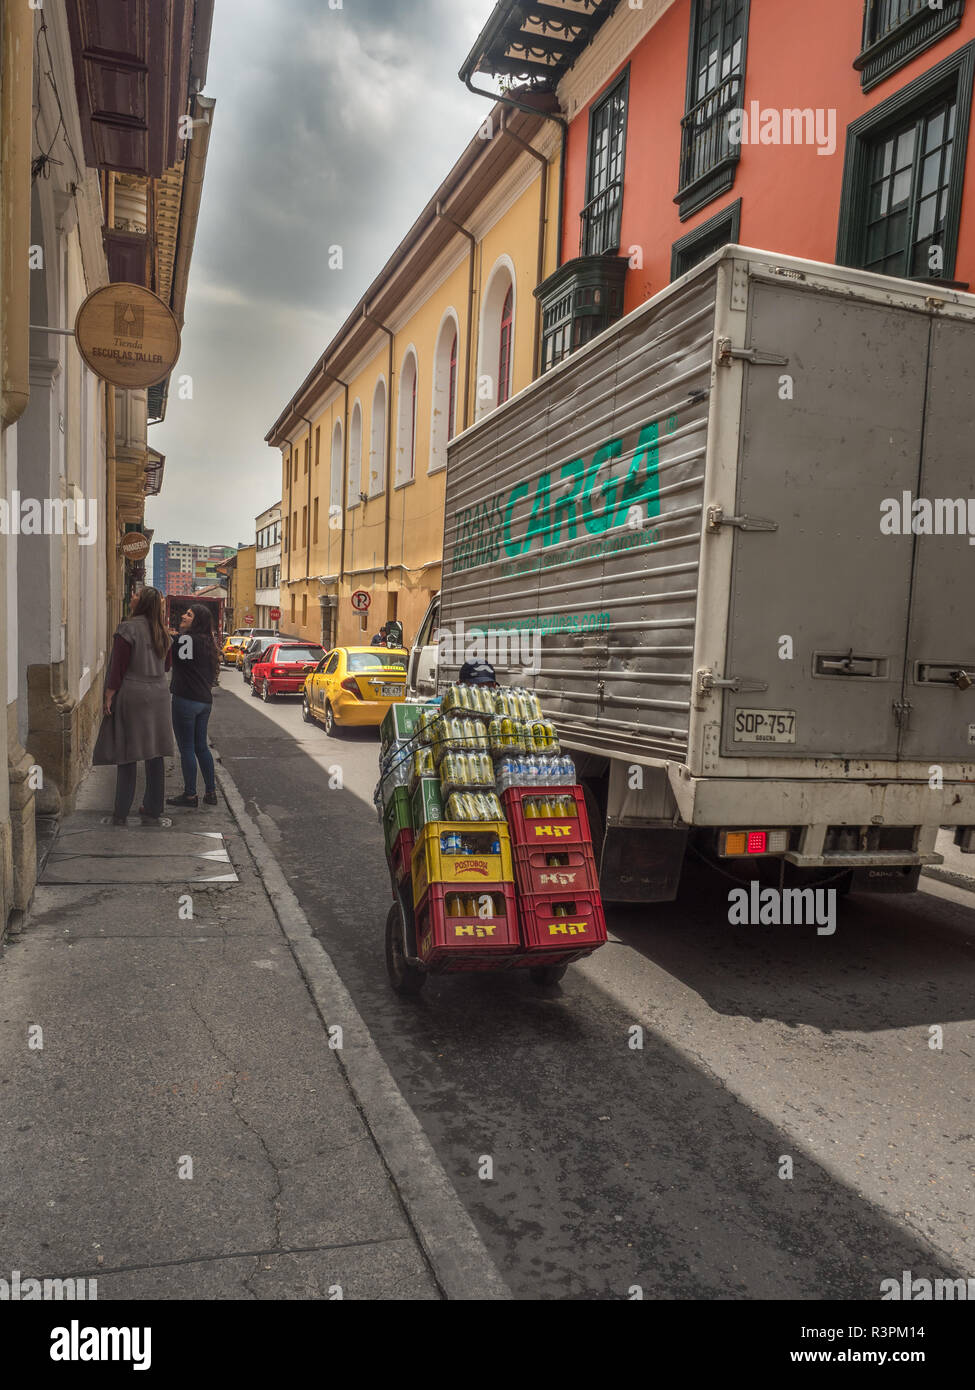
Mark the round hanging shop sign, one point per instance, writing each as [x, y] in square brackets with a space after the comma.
[135, 546]
[127, 336]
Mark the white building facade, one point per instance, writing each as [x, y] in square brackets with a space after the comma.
[268, 563]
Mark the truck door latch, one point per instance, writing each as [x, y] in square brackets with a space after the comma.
[707, 681]
[902, 713]
[716, 519]
[728, 354]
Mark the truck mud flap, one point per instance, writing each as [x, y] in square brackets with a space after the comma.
[642, 864]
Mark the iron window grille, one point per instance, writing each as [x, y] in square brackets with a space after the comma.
[895, 31]
[600, 218]
[715, 88]
[903, 176]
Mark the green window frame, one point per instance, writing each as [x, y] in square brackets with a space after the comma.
[716, 57]
[720, 230]
[892, 180]
[896, 31]
[600, 220]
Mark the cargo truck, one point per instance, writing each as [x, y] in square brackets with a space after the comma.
[177, 604]
[731, 544]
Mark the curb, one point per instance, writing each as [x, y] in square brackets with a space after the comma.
[446, 1234]
[957, 880]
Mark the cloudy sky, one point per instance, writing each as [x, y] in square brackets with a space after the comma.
[332, 126]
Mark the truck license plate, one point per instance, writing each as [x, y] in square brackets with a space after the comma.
[765, 726]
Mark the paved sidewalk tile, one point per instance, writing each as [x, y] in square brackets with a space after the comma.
[176, 1044]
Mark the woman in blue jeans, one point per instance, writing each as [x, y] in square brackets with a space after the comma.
[196, 666]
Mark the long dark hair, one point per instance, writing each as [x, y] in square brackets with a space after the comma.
[201, 630]
[149, 605]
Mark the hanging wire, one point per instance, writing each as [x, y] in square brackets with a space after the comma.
[40, 165]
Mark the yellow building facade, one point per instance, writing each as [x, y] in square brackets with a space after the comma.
[448, 330]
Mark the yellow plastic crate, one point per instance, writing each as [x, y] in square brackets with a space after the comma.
[472, 865]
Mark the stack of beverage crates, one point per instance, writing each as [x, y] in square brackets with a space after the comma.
[487, 832]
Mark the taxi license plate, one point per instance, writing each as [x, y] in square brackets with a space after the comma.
[765, 726]
[391, 691]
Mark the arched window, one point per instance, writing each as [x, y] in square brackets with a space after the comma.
[406, 423]
[355, 456]
[452, 389]
[443, 412]
[335, 478]
[504, 353]
[496, 340]
[377, 442]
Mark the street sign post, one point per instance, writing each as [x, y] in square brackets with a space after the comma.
[361, 601]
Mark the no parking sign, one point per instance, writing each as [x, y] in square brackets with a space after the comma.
[361, 601]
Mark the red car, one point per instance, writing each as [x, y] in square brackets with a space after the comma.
[282, 667]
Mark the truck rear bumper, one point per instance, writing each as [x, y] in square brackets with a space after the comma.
[727, 802]
[862, 859]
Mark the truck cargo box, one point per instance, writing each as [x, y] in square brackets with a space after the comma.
[733, 539]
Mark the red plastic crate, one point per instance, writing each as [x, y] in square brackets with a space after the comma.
[401, 855]
[529, 832]
[560, 922]
[559, 869]
[446, 941]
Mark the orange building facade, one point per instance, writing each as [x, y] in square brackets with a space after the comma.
[837, 132]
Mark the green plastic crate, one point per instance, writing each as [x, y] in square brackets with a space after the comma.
[399, 723]
[426, 802]
[396, 816]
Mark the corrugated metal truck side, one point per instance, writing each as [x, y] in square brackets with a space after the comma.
[730, 544]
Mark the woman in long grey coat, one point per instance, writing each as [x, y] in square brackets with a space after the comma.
[138, 727]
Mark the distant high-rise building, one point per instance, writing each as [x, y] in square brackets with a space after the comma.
[181, 568]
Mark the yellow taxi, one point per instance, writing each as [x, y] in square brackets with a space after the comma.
[353, 687]
[228, 653]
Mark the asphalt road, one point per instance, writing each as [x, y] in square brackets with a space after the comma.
[663, 1167]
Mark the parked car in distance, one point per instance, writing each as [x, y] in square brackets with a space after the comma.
[282, 668]
[251, 652]
[354, 686]
[230, 648]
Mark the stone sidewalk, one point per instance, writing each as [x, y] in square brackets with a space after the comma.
[173, 1121]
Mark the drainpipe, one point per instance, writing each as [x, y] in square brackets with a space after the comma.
[470, 309]
[291, 539]
[542, 222]
[345, 469]
[563, 125]
[389, 440]
[311, 465]
[16, 97]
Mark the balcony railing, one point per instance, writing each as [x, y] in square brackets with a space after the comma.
[705, 142]
[887, 15]
[599, 221]
[895, 31]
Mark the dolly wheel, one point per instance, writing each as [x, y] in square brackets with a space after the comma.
[404, 978]
[543, 975]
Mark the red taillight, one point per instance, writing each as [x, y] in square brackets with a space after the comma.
[757, 841]
[281, 671]
[352, 686]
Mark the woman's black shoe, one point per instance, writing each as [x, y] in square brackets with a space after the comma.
[210, 798]
[183, 800]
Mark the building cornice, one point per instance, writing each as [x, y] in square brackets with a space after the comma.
[608, 52]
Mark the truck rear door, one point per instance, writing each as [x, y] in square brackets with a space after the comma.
[938, 722]
[819, 605]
